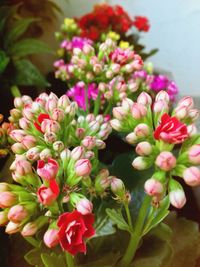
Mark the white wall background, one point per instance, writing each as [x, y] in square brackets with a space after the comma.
[175, 30]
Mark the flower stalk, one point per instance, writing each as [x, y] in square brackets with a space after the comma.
[69, 260]
[137, 234]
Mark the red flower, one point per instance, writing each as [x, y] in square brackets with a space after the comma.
[141, 23]
[47, 171]
[39, 121]
[73, 229]
[171, 130]
[47, 195]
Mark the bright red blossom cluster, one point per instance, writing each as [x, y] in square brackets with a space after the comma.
[105, 17]
[141, 23]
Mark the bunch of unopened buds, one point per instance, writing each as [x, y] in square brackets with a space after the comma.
[166, 140]
[56, 172]
[104, 75]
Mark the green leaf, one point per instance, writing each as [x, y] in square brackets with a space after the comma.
[157, 215]
[4, 60]
[122, 168]
[5, 13]
[28, 47]
[118, 219]
[33, 257]
[28, 74]
[53, 260]
[17, 30]
[185, 242]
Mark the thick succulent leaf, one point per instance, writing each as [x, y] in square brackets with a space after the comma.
[28, 47]
[53, 260]
[33, 257]
[17, 30]
[185, 242]
[28, 75]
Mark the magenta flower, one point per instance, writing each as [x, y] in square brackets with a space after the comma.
[77, 93]
[76, 42]
[161, 82]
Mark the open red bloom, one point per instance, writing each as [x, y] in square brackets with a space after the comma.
[39, 121]
[73, 229]
[171, 130]
[47, 195]
[141, 23]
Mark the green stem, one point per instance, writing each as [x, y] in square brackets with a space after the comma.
[69, 260]
[137, 234]
[97, 104]
[86, 100]
[107, 110]
[128, 215]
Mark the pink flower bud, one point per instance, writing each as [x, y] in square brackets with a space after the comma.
[89, 155]
[194, 154]
[51, 238]
[45, 154]
[17, 213]
[89, 142]
[47, 195]
[58, 146]
[18, 148]
[7, 199]
[131, 138]
[47, 171]
[80, 132]
[94, 126]
[28, 112]
[144, 99]
[138, 111]
[115, 68]
[33, 154]
[48, 126]
[117, 186]
[166, 161]
[163, 95]
[77, 153]
[58, 114]
[100, 144]
[116, 124]
[29, 229]
[186, 101]
[194, 114]
[84, 206]
[160, 106]
[153, 187]
[24, 124]
[143, 149]
[191, 176]
[192, 130]
[142, 130]
[63, 102]
[26, 99]
[29, 141]
[119, 113]
[140, 163]
[51, 104]
[3, 218]
[177, 198]
[181, 112]
[13, 228]
[18, 103]
[23, 167]
[127, 104]
[50, 138]
[17, 135]
[83, 167]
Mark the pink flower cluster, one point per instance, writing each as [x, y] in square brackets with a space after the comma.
[155, 144]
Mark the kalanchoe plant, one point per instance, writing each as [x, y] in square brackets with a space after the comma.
[60, 185]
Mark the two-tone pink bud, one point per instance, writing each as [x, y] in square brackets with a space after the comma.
[83, 167]
[84, 206]
[49, 170]
[166, 161]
